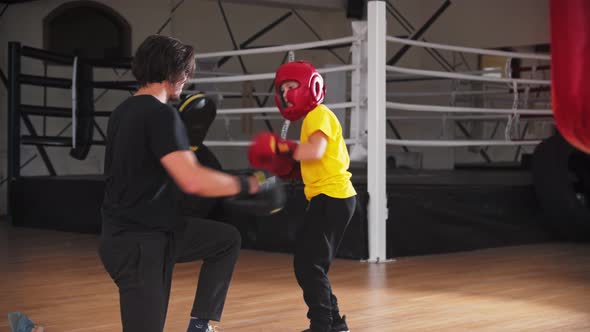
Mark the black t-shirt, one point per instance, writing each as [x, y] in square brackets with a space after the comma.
[139, 193]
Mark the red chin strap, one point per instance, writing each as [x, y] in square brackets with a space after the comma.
[309, 94]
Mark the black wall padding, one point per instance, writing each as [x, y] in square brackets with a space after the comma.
[430, 212]
[431, 219]
[84, 113]
[553, 162]
[65, 203]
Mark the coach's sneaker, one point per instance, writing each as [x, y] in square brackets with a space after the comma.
[19, 322]
[339, 324]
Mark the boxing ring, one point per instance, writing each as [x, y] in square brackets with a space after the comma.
[367, 108]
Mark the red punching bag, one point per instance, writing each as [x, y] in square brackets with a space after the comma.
[570, 70]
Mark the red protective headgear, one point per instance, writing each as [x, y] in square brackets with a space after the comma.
[307, 96]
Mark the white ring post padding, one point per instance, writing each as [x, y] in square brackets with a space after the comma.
[377, 213]
[74, 100]
[254, 110]
[435, 73]
[276, 49]
[264, 76]
[469, 49]
[448, 109]
[458, 143]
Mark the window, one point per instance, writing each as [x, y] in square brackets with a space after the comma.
[87, 29]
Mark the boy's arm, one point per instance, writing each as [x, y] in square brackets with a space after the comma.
[313, 149]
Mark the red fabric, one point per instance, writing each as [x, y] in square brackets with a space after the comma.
[570, 69]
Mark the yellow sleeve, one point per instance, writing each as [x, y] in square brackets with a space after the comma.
[319, 119]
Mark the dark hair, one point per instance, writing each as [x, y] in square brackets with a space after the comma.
[161, 58]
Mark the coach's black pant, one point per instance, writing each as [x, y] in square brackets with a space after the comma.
[141, 265]
[317, 242]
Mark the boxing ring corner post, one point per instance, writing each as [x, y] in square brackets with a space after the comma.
[376, 121]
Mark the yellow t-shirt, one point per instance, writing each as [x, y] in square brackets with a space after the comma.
[329, 175]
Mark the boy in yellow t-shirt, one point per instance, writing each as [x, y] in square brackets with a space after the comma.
[324, 163]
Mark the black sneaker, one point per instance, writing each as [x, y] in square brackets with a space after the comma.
[339, 324]
[325, 329]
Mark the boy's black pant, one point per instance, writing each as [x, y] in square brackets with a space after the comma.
[141, 265]
[317, 242]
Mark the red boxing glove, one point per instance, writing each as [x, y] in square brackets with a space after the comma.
[286, 147]
[270, 152]
[294, 174]
[286, 168]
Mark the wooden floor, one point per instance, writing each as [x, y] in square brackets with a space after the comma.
[57, 279]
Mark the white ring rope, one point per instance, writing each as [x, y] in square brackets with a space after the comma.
[484, 113]
[434, 73]
[232, 93]
[275, 49]
[226, 143]
[255, 110]
[468, 72]
[447, 93]
[389, 94]
[462, 117]
[348, 141]
[415, 143]
[248, 110]
[469, 49]
[447, 109]
[458, 143]
[235, 117]
[213, 73]
[264, 76]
